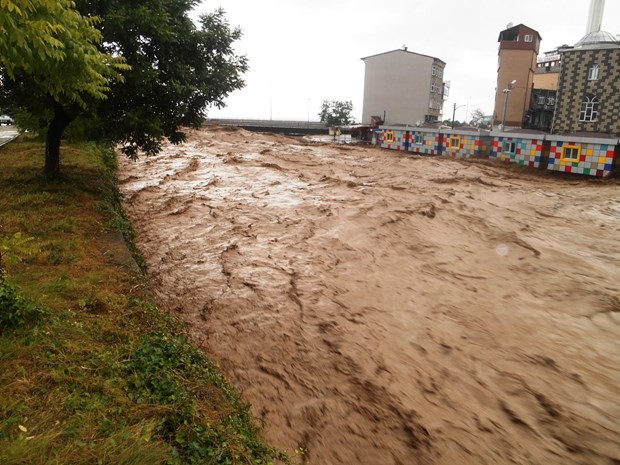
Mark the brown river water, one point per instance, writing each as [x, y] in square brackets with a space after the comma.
[379, 308]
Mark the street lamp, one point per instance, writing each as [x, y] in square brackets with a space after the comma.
[507, 90]
[454, 111]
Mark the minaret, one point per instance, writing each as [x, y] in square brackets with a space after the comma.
[595, 18]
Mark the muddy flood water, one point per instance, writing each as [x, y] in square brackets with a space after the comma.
[379, 308]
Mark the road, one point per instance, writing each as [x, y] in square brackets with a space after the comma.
[7, 134]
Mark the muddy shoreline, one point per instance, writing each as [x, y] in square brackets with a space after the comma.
[378, 308]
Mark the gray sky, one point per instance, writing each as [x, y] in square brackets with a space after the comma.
[302, 52]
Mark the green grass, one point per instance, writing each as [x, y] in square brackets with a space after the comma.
[91, 372]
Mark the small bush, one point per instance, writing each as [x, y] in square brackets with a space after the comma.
[14, 310]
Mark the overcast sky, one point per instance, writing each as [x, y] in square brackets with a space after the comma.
[301, 52]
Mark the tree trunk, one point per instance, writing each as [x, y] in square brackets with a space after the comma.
[52, 143]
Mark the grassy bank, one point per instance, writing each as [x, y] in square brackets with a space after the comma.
[90, 371]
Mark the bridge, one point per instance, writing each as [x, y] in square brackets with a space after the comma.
[283, 127]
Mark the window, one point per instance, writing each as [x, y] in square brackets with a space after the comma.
[589, 109]
[593, 73]
[455, 142]
[571, 152]
[509, 147]
[418, 138]
[389, 137]
[529, 37]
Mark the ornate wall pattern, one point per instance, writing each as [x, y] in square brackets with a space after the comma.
[575, 86]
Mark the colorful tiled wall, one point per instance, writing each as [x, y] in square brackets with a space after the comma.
[429, 145]
[470, 145]
[528, 152]
[395, 139]
[594, 159]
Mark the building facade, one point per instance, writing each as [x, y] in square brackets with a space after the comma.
[403, 88]
[544, 92]
[588, 97]
[541, 111]
[547, 72]
[517, 58]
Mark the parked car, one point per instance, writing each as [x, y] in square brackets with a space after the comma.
[6, 119]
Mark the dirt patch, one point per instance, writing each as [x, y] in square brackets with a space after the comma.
[378, 308]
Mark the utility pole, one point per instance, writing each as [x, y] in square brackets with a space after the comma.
[454, 112]
[507, 90]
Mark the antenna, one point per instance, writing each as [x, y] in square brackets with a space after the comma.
[509, 25]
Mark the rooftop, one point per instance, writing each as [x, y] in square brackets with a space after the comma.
[598, 39]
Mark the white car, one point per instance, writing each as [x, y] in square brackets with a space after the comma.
[6, 119]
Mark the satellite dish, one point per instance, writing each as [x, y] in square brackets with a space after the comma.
[509, 25]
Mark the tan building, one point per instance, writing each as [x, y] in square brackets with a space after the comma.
[403, 88]
[518, 52]
[547, 72]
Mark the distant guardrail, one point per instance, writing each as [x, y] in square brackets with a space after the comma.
[283, 126]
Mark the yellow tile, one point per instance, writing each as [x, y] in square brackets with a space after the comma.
[589, 152]
[602, 159]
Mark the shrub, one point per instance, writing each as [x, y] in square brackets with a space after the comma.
[14, 310]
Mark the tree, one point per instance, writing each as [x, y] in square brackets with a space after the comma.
[50, 64]
[174, 70]
[457, 123]
[479, 120]
[336, 113]
[179, 69]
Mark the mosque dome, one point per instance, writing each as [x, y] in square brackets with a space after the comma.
[598, 39]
